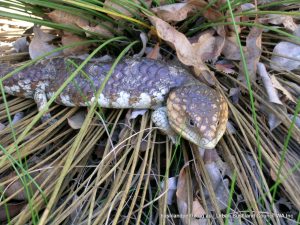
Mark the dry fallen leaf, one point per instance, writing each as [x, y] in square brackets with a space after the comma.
[17, 186]
[252, 54]
[21, 44]
[68, 39]
[181, 193]
[39, 45]
[77, 120]
[198, 210]
[225, 66]
[272, 93]
[189, 54]
[284, 91]
[99, 29]
[13, 210]
[177, 11]
[182, 201]
[235, 94]
[286, 56]
[231, 48]
[62, 17]
[276, 19]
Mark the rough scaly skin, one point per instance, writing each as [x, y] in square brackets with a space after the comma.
[195, 111]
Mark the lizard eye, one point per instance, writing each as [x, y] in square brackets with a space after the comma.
[192, 123]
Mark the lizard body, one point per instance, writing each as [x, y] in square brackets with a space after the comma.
[190, 108]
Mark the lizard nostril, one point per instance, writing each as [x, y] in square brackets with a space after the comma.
[192, 123]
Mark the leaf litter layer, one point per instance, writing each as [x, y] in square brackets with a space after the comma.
[99, 167]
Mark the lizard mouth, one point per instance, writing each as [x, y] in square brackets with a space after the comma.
[194, 137]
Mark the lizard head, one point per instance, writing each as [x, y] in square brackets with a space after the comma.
[198, 113]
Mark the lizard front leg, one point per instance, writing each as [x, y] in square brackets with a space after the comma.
[160, 119]
[40, 99]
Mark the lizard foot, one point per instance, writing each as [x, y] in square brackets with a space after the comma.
[160, 119]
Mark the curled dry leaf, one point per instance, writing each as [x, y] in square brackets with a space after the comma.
[178, 11]
[271, 91]
[182, 200]
[182, 192]
[39, 45]
[210, 159]
[252, 54]
[286, 56]
[273, 120]
[100, 29]
[21, 45]
[286, 21]
[76, 121]
[59, 16]
[62, 17]
[284, 91]
[189, 54]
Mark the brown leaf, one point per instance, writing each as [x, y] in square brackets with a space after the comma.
[40, 44]
[225, 67]
[189, 54]
[231, 48]
[13, 210]
[16, 184]
[177, 11]
[182, 201]
[59, 16]
[182, 193]
[100, 29]
[198, 210]
[68, 39]
[252, 54]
